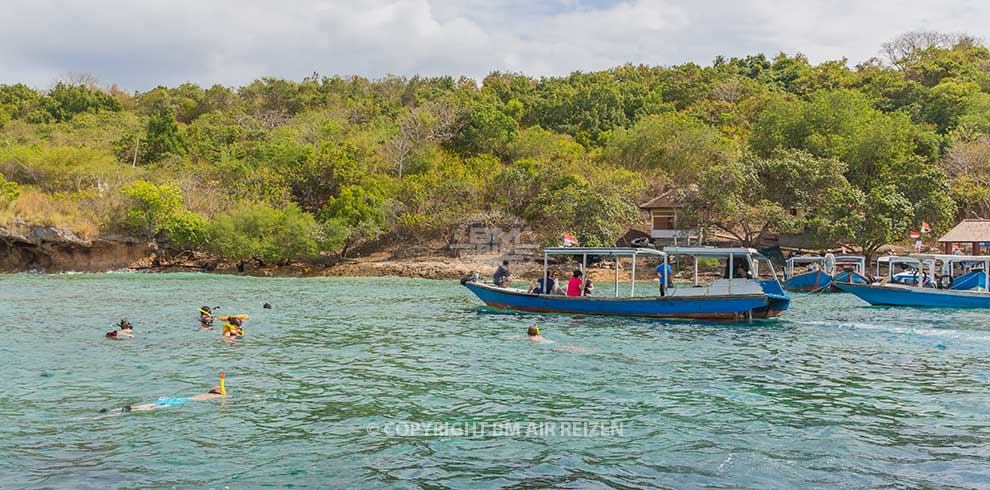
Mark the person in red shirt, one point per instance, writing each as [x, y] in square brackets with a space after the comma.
[575, 287]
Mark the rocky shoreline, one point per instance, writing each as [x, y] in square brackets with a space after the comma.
[51, 250]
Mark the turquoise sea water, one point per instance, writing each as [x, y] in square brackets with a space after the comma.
[372, 383]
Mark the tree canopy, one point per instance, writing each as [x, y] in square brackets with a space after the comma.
[757, 145]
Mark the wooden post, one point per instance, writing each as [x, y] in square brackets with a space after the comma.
[616, 276]
[695, 271]
[632, 286]
[544, 274]
[732, 271]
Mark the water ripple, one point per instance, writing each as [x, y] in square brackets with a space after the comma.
[834, 395]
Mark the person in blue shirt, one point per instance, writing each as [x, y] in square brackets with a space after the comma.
[664, 277]
[536, 285]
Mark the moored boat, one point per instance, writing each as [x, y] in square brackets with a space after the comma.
[920, 287]
[823, 271]
[755, 295]
[848, 269]
[815, 278]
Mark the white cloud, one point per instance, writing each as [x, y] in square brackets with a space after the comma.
[142, 44]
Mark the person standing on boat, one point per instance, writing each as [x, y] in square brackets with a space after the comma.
[575, 287]
[663, 277]
[502, 276]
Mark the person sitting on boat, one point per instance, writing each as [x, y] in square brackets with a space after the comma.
[588, 286]
[741, 272]
[537, 286]
[126, 331]
[502, 276]
[664, 277]
[575, 287]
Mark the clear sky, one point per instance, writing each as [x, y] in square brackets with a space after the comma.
[142, 43]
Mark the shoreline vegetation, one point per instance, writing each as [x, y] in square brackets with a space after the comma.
[350, 176]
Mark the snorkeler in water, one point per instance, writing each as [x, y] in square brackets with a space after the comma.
[233, 328]
[206, 317]
[126, 331]
[219, 391]
[533, 333]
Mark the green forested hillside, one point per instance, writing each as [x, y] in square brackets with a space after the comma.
[278, 169]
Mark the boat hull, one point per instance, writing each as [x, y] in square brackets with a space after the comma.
[896, 295]
[808, 282]
[728, 307]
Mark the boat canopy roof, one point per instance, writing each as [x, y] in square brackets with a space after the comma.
[850, 259]
[953, 258]
[897, 259]
[611, 252]
[712, 251]
[805, 259]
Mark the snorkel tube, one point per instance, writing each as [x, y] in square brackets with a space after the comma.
[223, 389]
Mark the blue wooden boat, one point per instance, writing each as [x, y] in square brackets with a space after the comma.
[849, 276]
[888, 293]
[724, 298]
[970, 280]
[904, 295]
[848, 269]
[823, 272]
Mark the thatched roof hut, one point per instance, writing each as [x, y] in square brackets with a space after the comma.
[971, 231]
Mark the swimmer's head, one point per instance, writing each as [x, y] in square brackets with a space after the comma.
[236, 322]
[125, 325]
[267, 306]
[216, 390]
[533, 331]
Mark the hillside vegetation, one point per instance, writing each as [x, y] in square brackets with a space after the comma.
[279, 169]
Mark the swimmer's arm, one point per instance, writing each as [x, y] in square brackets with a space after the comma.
[205, 396]
[141, 408]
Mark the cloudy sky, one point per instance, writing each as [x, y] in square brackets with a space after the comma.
[142, 43]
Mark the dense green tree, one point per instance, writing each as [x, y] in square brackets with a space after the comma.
[356, 214]
[261, 232]
[66, 100]
[755, 197]
[864, 221]
[151, 206]
[402, 158]
[162, 138]
[8, 190]
[187, 228]
[676, 144]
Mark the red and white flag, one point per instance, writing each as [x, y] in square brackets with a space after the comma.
[570, 240]
[925, 227]
[915, 234]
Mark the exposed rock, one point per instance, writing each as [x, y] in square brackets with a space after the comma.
[53, 250]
